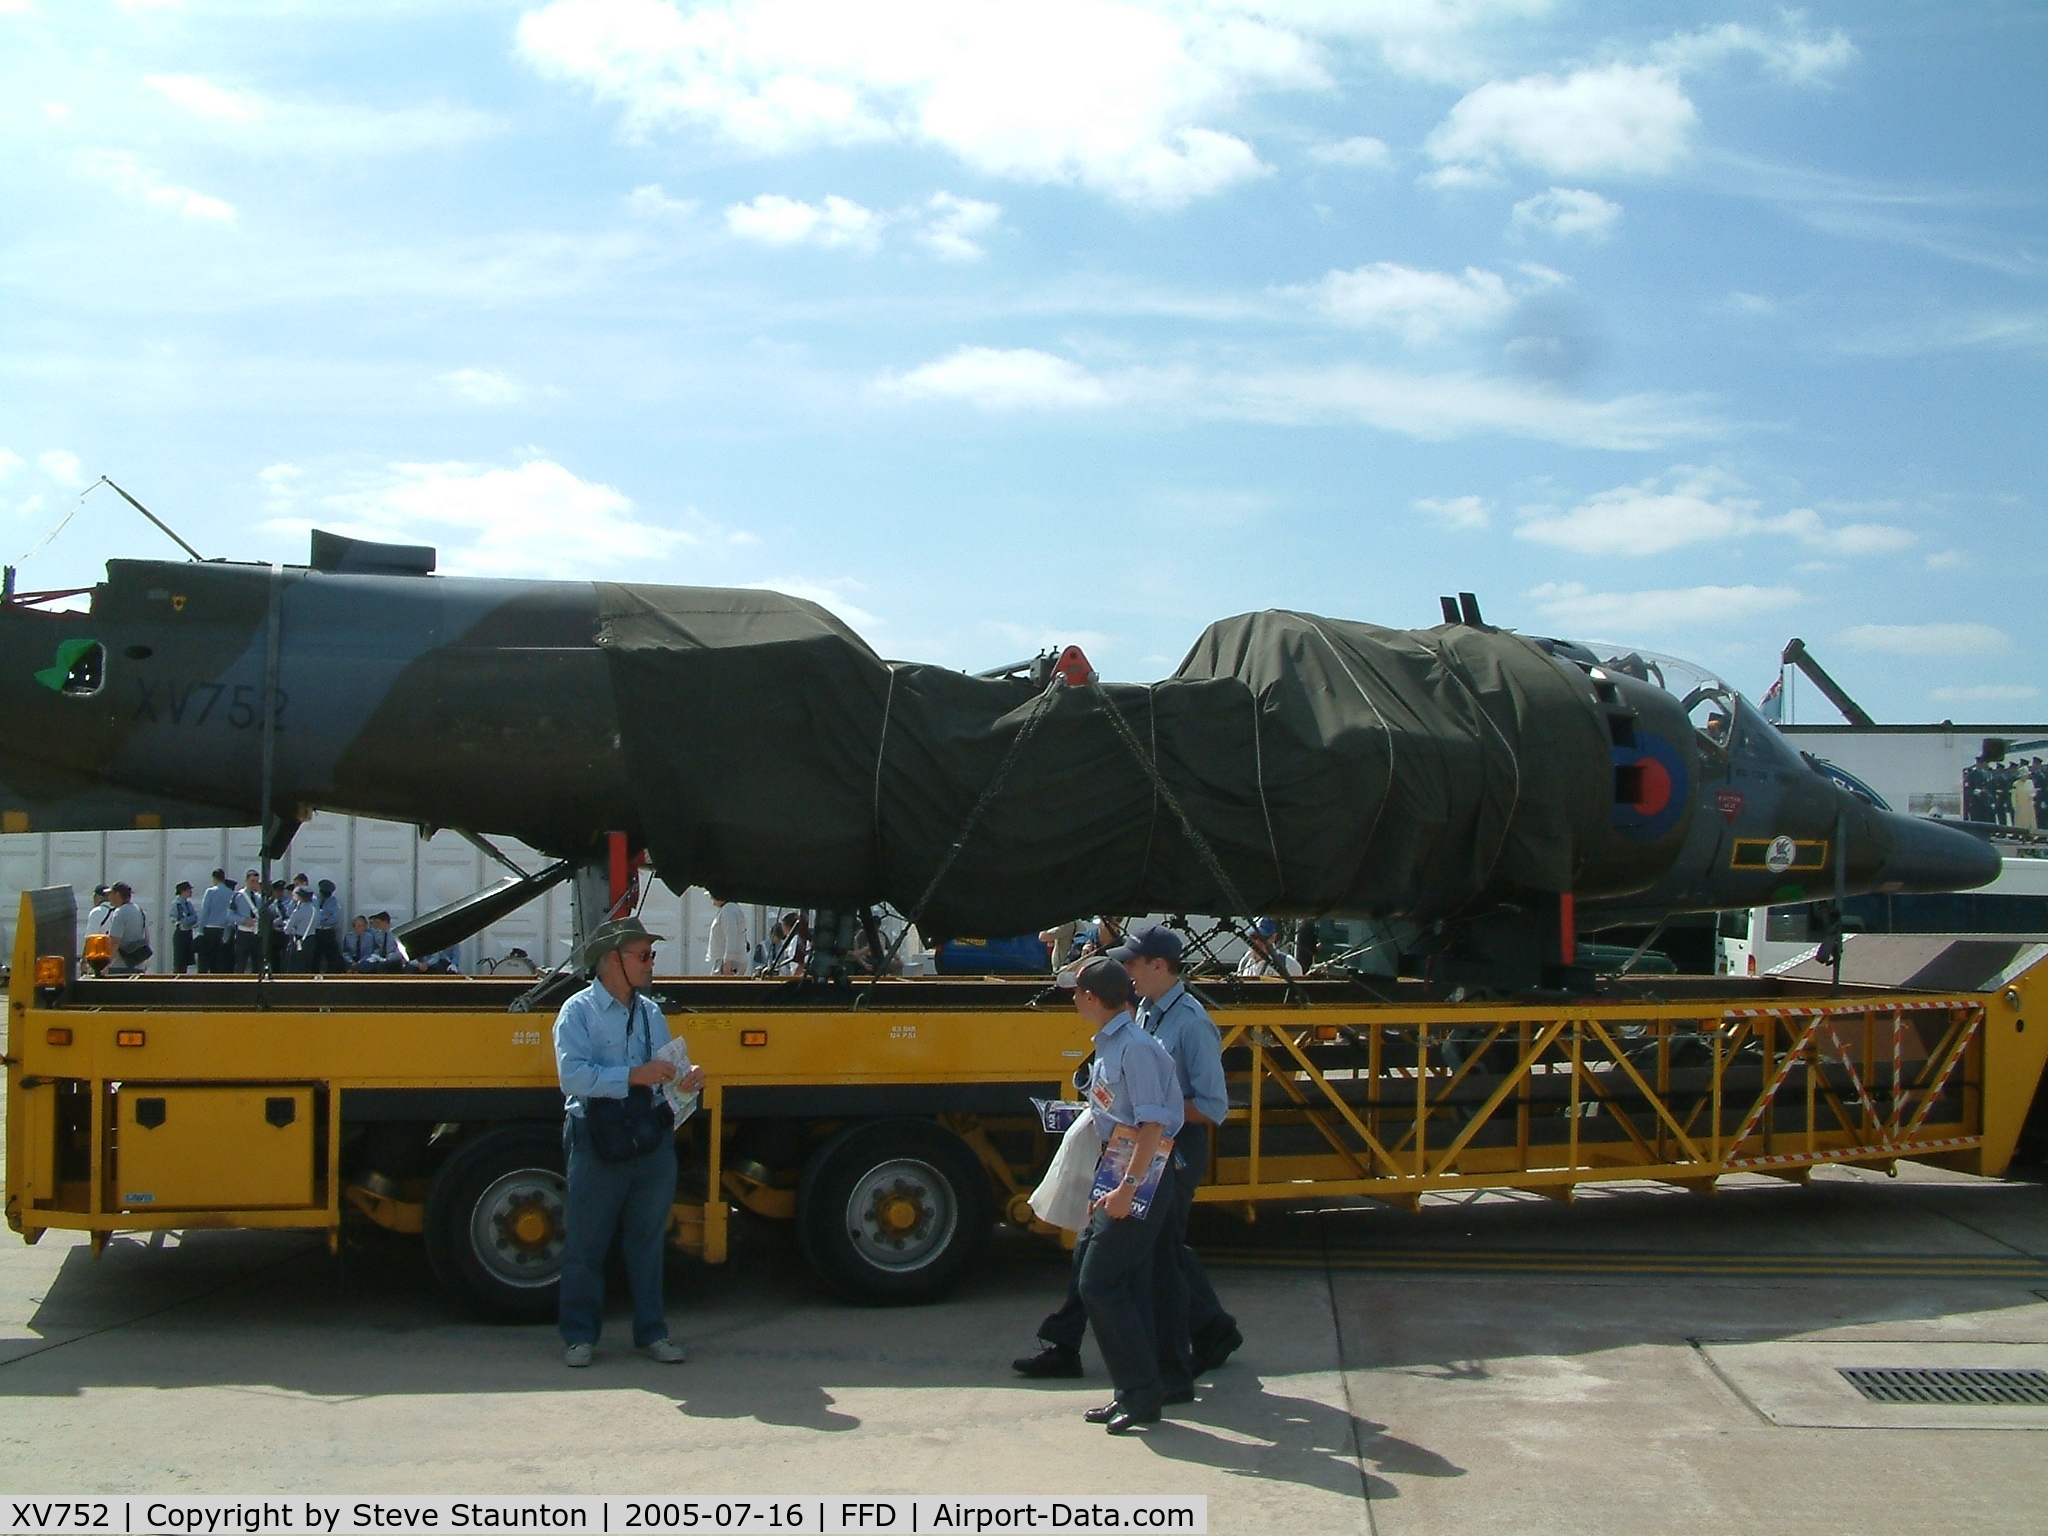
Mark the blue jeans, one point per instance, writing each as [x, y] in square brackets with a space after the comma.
[632, 1199]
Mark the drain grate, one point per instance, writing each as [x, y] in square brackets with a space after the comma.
[1902, 1384]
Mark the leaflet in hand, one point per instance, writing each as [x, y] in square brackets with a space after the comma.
[1057, 1114]
[681, 1105]
[1116, 1162]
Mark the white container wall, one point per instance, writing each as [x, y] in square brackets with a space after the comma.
[376, 866]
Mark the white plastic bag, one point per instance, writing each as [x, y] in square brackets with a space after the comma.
[1061, 1199]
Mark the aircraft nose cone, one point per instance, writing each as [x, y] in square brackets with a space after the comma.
[1927, 856]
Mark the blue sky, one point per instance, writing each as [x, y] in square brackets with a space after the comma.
[995, 326]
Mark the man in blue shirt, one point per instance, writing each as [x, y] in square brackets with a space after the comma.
[299, 919]
[605, 1040]
[355, 944]
[1171, 1015]
[380, 950]
[1168, 1012]
[1130, 1280]
[247, 915]
[216, 953]
[184, 929]
[327, 930]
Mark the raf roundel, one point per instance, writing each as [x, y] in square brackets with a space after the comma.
[1650, 788]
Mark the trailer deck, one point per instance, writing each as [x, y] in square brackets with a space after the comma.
[894, 1123]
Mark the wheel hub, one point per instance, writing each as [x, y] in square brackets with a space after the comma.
[901, 1214]
[531, 1226]
[517, 1227]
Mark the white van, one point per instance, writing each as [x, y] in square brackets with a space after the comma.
[2015, 905]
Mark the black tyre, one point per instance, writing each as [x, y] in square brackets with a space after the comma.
[494, 1221]
[894, 1211]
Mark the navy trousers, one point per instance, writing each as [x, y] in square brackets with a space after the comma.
[631, 1199]
[1131, 1285]
[1205, 1312]
[1066, 1327]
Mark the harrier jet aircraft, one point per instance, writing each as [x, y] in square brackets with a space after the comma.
[1492, 791]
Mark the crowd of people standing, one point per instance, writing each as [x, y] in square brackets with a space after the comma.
[2007, 794]
[289, 926]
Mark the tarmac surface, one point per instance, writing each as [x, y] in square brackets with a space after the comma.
[1643, 1360]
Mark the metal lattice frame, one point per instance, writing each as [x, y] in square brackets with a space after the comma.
[1542, 1099]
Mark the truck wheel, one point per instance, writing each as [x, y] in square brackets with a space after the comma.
[494, 1221]
[894, 1211]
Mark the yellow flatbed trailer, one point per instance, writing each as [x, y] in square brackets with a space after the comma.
[895, 1123]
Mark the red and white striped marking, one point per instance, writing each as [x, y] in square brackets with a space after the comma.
[1850, 1154]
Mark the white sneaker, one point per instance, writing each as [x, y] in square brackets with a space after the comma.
[667, 1351]
[577, 1355]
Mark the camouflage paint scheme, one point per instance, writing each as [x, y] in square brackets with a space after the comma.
[486, 706]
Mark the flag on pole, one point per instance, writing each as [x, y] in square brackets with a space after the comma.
[1773, 703]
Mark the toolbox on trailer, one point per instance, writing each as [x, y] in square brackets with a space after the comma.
[224, 1148]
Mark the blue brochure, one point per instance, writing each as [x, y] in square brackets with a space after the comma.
[1116, 1162]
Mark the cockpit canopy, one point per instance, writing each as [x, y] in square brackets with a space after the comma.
[1724, 722]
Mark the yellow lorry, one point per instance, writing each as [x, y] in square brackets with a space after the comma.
[894, 1122]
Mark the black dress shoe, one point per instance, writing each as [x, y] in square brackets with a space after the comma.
[1103, 1414]
[1215, 1347]
[1124, 1419]
[1049, 1361]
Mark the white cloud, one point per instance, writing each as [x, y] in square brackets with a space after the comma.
[1026, 638]
[1114, 95]
[837, 223]
[1987, 693]
[830, 594]
[1362, 153]
[10, 461]
[535, 519]
[1565, 211]
[1805, 524]
[1614, 615]
[1929, 639]
[1421, 306]
[1947, 560]
[1692, 506]
[481, 386]
[1461, 178]
[140, 183]
[17, 7]
[1444, 40]
[61, 465]
[1740, 303]
[252, 121]
[650, 202]
[1618, 117]
[1433, 407]
[1441, 406]
[953, 222]
[1457, 511]
[280, 484]
[999, 379]
[203, 98]
[1793, 57]
[1917, 335]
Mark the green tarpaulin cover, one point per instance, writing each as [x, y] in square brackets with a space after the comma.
[1333, 767]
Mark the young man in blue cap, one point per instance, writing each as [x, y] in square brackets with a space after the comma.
[1169, 1013]
[1130, 1279]
[1183, 1027]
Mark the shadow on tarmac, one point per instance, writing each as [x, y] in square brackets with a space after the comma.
[1436, 1293]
